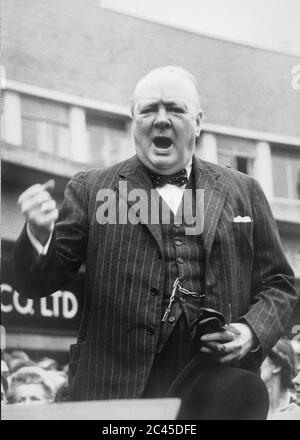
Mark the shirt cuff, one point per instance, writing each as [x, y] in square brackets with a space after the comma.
[41, 250]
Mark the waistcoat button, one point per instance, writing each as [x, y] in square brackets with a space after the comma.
[150, 330]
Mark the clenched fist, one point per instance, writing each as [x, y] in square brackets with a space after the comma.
[39, 209]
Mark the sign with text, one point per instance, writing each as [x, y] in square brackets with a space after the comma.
[56, 313]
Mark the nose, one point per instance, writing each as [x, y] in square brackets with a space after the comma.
[162, 121]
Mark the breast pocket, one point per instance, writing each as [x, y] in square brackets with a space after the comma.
[243, 235]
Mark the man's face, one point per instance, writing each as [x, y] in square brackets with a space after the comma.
[166, 122]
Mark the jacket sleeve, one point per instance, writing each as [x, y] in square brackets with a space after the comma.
[41, 275]
[273, 292]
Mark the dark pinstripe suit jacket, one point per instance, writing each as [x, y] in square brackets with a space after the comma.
[246, 271]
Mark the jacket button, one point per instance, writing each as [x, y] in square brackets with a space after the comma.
[179, 260]
[158, 254]
[150, 330]
[177, 225]
[154, 291]
[178, 242]
[172, 319]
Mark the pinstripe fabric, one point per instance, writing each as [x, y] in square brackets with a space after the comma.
[118, 335]
[184, 257]
[175, 345]
[170, 361]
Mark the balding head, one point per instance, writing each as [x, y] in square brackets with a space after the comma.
[165, 73]
[166, 119]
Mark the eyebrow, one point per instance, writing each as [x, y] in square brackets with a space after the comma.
[152, 103]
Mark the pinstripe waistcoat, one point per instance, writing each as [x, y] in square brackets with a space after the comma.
[118, 336]
[184, 257]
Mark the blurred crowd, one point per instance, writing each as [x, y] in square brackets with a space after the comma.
[24, 381]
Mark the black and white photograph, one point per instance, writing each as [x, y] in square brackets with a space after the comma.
[150, 215]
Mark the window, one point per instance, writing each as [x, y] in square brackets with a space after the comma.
[242, 164]
[106, 139]
[237, 153]
[45, 125]
[286, 173]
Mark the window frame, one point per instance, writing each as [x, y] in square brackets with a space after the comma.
[288, 154]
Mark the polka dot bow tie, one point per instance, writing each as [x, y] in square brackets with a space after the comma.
[178, 179]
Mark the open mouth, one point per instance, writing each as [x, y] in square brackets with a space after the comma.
[162, 142]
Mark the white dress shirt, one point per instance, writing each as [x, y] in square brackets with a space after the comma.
[41, 250]
[172, 194]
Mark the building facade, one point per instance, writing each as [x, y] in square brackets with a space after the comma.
[69, 68]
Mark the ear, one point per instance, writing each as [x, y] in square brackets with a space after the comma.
[199, 116]
[276, 370]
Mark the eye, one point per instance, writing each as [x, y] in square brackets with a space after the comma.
[178, 110]
[146, 110]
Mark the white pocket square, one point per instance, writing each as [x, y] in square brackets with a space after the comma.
[240, 219]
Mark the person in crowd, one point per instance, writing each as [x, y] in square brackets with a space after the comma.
[4, 383]
[18, 359]
[4, 369]
[296, 382]
[30, 385]
[57, 378]
[48, 363]
[296, 348]
[212, 285]
[62, 393]
[4, 388]
[278, 371]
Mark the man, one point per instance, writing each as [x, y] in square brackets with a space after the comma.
[147, 282]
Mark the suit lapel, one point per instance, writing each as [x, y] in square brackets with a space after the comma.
[206, 177]
[215, 194]
[137, 177]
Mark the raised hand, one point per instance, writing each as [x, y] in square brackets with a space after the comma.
[39, 209]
